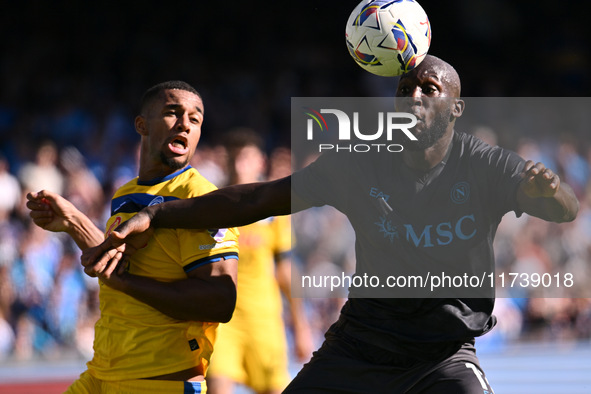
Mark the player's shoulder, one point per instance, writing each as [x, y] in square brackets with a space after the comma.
[193, 183]
[127, 188]
[472, 147]
[469, 142]
[193, 175]
[478, 154]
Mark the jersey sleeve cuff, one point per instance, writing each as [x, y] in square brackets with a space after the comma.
[210, 259]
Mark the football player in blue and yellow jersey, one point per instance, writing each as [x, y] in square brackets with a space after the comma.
[159, 312]
[252, 348]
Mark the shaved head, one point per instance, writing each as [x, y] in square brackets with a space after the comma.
[449, 75]
[431, 92]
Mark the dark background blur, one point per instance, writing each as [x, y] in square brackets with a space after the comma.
[74, 61]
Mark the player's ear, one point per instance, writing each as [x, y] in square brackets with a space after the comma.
[458, 108]
[140, 125]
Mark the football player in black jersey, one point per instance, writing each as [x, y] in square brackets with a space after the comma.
[390, 344]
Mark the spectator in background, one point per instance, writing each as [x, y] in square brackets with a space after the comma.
[66, 299]
[43, 173]
[82, 187]
[251, 349]
[576, 170]
[10, 197]
[32, 276]
[210, 161]
[11, 190]
[279, 163]
[7, 335]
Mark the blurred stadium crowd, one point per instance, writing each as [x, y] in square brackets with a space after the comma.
[73, 75]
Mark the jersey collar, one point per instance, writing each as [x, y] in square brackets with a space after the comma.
[155, 181]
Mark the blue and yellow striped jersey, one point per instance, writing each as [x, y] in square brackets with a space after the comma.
[133, 340]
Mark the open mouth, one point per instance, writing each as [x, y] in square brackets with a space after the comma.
[178, 145]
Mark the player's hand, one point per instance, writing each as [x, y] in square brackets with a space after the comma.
[538, 181]
[116, 278]
[50, 211]
[134, 234]
[303, 342]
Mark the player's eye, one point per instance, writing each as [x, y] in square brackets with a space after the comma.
[429, 89]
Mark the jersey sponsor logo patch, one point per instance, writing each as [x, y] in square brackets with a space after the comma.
[460, 192]
[430, 235]
[114, 225]
[217, 233]
[193, 344]
[217, 245]
[387, 228]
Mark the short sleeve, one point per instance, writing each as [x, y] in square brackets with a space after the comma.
[281, 227]
[199, 247]
[504, 169]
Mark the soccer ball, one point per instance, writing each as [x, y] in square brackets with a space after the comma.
[388, 38]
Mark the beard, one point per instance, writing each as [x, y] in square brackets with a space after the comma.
[428, 137]
[173, 164]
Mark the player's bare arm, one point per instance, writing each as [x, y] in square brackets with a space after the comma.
[231, 206]
[303, 341]
[208, 293]
[52, 212]
[542, 194]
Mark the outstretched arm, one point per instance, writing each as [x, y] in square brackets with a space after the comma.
[232, 206]
[541, 194]
[52, 212]
[303, 339]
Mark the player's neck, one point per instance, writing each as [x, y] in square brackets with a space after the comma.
[426, 159]
[148, 173]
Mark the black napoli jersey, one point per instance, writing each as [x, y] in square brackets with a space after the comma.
[413, 232]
